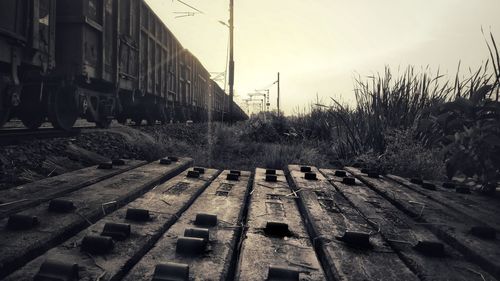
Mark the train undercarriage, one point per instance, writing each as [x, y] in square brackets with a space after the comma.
[63, 103]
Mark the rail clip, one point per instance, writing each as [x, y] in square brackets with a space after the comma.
[117, 231]
[430, 248]
[310, 176]
[271, 178]
[204, 219]
[429, 186]
[193, 174]
[449, 185]
[340, 173]
[173, 158]
[61, 206]
[270, 171]
[98, 245]
[137, 215]
[236, 172]
[105, 166]
[233, 177]
[349, 180]
[22, 222]
[118, 162]
[416, 180]
[197, 232]
[305, 169]
[57, 270]
[484, 232]
[165, 161]
[171, 271]
[199, 170]
[282, 273]
[190, 246]
[356, 239]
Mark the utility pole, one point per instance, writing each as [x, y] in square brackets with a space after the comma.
[231, 58]
[278, 93]
[267, 100]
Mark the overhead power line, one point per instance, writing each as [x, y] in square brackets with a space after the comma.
[190, 6]
[184, 14]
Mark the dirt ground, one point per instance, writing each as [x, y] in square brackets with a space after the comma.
[218, 146]
[33, 160]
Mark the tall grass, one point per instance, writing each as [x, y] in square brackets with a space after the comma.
[387, 102]
[389, 109]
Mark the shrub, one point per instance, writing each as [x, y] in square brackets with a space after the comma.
[405, 155]
[278, 156]
[468, 128]
[267, 127]
[469, 132]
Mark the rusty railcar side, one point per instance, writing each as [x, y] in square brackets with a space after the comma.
[120, 58]
[156, 69]
[27, 42]
[99, 60]
[198, 104]
[87, 69]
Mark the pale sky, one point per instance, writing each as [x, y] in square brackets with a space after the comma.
[318, 45]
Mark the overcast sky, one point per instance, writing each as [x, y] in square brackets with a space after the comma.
[318, 45]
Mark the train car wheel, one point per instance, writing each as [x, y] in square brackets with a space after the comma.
[4, 116]
[163, 114]
[150, 120]
[103, 123]
[137, 120]
[63, 108]
[150, 112]
[121, 119]
[31, 109]
[32, 122]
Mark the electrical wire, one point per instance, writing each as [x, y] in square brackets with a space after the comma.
[190, 6]
[267, 87]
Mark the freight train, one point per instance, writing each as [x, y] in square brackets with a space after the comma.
[100, 60]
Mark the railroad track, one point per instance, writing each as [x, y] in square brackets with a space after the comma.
[14, 136]
[16, 133]
[165, 220]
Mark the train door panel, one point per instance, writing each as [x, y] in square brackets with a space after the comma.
[157, 69]
[151, 60]
[32, 24]
[164, 76]
[157, 59]
[109, 40]
[134, 34]
[91, 47]
[13, 18]
[144, 62]
[143, 49]
[93, 22]
[128, 50]
[92, 38]
[46, 33]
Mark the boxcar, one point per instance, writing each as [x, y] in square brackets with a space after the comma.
[150, 82]
[98, 59]
[116, 55]
[27, 43]
[200, 87]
